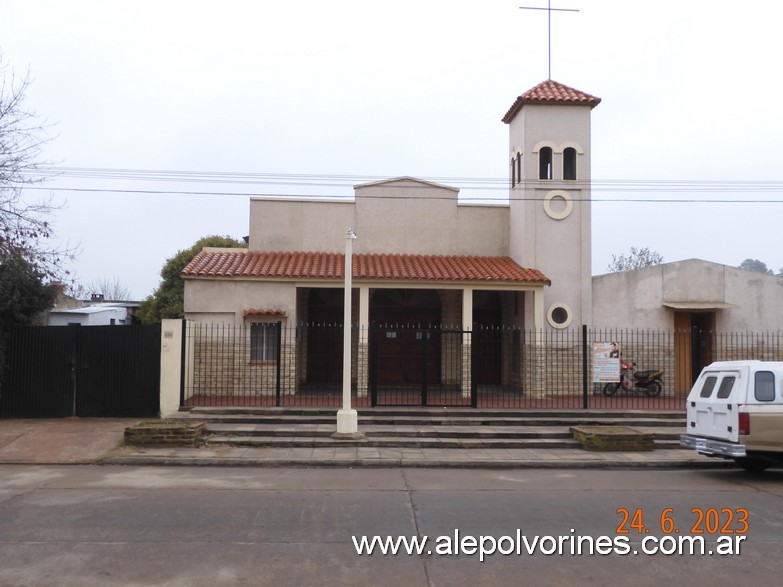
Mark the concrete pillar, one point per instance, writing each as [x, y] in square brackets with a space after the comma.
[467, 327]
[170, 366]
[537, 352]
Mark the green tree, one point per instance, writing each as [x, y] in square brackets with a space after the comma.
[167, 300]
[23, 297]
[635, 259]
[756, 265]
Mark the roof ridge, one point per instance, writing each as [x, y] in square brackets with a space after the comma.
[551, 92]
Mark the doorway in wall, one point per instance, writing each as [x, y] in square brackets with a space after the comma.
[406, 315]
[487, 337]
[693, 346]
[325, 337]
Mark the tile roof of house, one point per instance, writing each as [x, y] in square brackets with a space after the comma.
[551, 92]
[263, 312]
[285, 265]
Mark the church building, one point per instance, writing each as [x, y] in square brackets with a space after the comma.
[445, 291]
[422, 258]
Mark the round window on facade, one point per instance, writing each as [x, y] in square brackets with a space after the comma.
[558, 204]
[559, 315]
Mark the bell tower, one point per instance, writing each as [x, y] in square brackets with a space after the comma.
[549, 170]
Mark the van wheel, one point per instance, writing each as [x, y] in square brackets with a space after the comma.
[653, 390]
[610, 389]
[753, 465]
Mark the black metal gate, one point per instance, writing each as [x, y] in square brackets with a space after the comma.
[85, 371]
[418, 366]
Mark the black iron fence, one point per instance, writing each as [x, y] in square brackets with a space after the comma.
[407, 365]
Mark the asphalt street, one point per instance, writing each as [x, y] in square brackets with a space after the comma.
[107, 525]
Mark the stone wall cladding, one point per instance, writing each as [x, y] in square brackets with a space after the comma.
[534, 365]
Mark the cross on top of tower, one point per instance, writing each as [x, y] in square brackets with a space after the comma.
[549, 11]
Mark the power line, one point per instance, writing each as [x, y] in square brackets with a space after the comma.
[629, 191]
[346, 180]
[472, 199]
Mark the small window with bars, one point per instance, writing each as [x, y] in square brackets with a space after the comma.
[264, 341]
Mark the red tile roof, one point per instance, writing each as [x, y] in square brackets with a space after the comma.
[550, 92]
[238, 263]
[263, 312]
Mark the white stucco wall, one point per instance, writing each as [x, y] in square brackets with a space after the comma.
[213, 300]
[408, 216]
[482, 230]
[90, 316]
[631, 299]
[560, 248]
[287, 225]
[635, 299]
[405, 216]
[760, 298]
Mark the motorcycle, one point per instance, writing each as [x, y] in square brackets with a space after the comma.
[649, 382]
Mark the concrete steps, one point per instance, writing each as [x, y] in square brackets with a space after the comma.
[423, 428]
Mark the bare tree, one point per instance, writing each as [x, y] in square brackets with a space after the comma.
[25, 229]
[111, 288]
[635, 259]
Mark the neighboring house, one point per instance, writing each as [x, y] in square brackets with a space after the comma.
[694, 297]
[97, 311]
[97, 315]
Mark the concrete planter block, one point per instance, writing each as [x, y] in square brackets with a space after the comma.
[613, 438]
[164, 433]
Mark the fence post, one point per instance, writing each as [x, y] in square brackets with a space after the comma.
[424, 367]
[372, 348]
[473, 369]
[73, 363]
[584, 367]
[279, 336]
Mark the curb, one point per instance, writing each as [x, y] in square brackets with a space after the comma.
[387, 463]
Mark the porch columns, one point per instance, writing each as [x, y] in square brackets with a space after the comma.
[538, 312]
[537, 354]
[467, 328]
[363, 357]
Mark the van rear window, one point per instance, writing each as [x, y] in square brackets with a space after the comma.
[765, 386]
[725, 387]
[709, 385]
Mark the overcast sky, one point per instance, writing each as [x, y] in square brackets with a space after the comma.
[692, 92]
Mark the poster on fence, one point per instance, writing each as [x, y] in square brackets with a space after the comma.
[606, 362]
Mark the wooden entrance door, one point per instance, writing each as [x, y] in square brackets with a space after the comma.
[692, 346]
[408, 348]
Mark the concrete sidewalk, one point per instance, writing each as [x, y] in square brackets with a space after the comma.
[60, 441]
[96, 441]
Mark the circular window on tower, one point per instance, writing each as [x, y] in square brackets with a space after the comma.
[559, 315]
[558, 204]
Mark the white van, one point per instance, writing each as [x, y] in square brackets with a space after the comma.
[735, 411]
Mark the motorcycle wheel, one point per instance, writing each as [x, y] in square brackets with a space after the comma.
[610, 389]
[653, 389]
